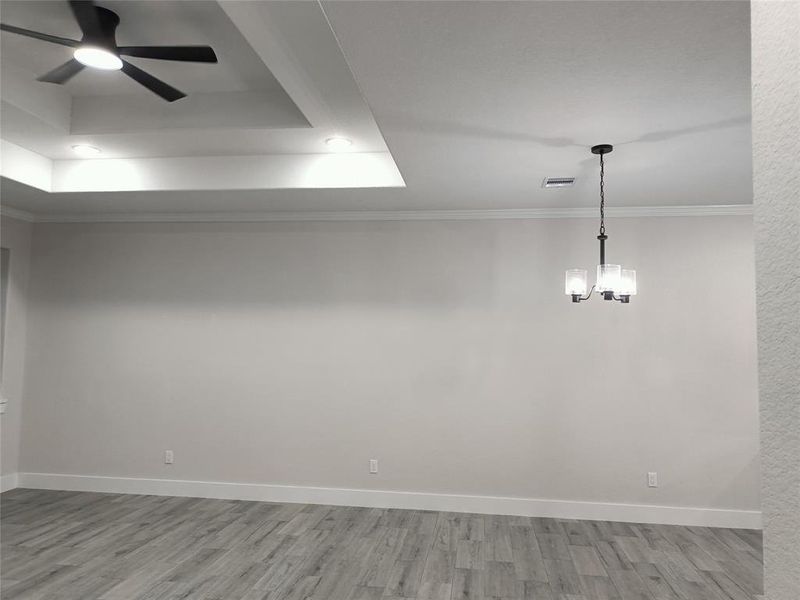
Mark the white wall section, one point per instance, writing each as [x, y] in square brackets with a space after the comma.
[776, 183]
[292, 353]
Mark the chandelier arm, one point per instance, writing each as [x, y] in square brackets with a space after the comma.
[579, 298]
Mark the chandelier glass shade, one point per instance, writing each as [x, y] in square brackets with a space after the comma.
[613, 282]
[627, 283]
[576, 282]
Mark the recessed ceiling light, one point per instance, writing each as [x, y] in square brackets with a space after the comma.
[97, 58]
[338, 143]
[86, 150]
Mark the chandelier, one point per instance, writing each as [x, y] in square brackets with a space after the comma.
[613, 282]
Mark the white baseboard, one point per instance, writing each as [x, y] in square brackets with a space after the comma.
[8, 482]
[562, 509]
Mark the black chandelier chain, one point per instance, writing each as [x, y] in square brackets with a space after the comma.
[602, 198]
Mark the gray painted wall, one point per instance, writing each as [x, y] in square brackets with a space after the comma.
[16, 236]
[776, 181]
[294, 352]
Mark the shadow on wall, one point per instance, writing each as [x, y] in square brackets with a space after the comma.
[437, 265]
[453, 128]
[294, 264]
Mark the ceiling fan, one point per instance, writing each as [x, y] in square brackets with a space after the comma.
[98, 49]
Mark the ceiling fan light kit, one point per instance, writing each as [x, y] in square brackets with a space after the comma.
[97, 58]
[98, 49]
[613, 282]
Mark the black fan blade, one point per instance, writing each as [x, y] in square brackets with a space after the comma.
[167, 92]
[204, 54]
[40, 36]
[63, 73]
[86, 16]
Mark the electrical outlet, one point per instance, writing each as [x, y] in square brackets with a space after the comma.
[169, 457]
[652, 479]
[373, 466]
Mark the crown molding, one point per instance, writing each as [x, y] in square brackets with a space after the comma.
[15, 213]
[386, 215]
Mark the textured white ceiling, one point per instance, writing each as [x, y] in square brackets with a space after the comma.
[479, 101]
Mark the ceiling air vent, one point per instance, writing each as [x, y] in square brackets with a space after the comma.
[558, 182]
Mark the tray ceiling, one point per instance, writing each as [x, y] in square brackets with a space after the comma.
[477, 103]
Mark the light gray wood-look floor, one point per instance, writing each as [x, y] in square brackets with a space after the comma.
[87, 546]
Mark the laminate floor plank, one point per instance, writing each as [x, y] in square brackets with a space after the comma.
[498, 538]
[659, 587]
[564, 579]
[528, 560]
[598, 588]
[92, 546]
[587, 561]
[553, 546]
[500, 580]
[468, 585]
[629, 585]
